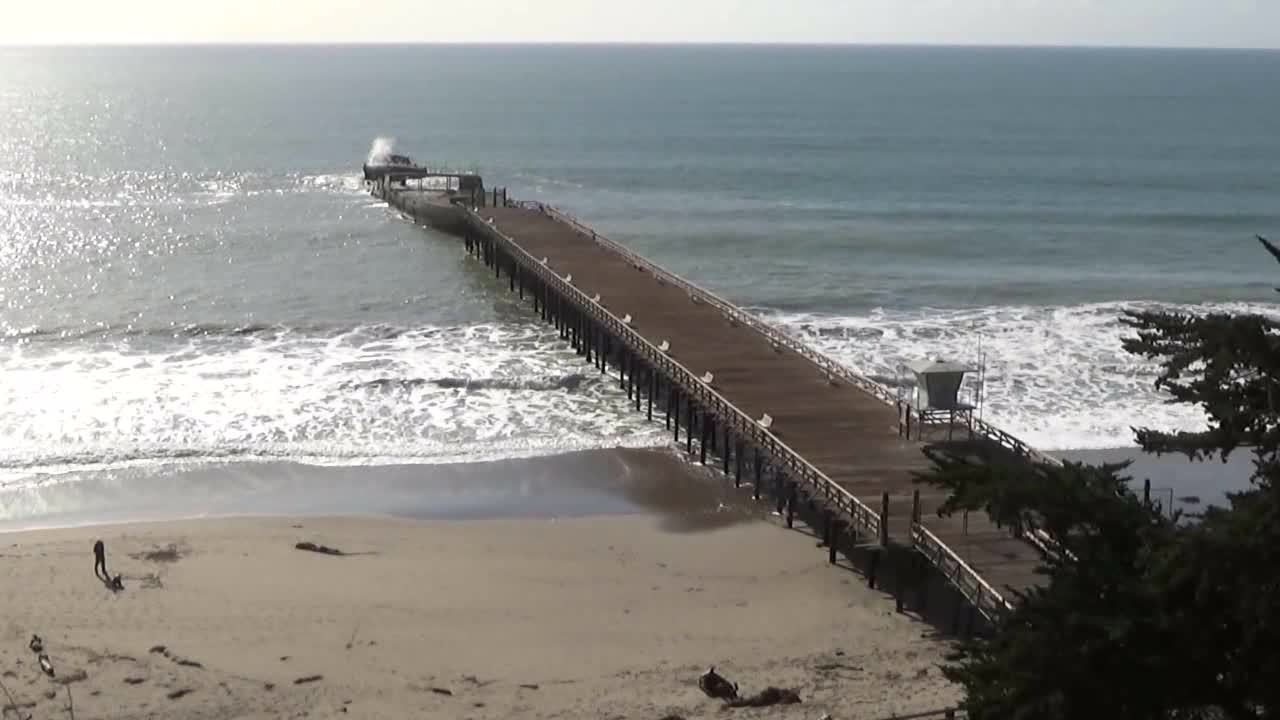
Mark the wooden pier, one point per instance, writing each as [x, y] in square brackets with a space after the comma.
[823, 443]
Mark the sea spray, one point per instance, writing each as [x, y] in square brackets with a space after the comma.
[380, 151]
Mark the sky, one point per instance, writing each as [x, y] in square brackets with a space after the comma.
[1144, 23]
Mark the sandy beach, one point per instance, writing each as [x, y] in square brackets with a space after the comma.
[609, 616]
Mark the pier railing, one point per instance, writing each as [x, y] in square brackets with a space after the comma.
[988, 601]
[827, 365]
[864, 518]
[967, 581]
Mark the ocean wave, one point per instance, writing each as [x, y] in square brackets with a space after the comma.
[329, 394]
[567, 382]
[1055, 376]
[54, 467]
[204, 330]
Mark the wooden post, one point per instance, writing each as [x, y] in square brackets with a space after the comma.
[756, 487]
[635, 360]
[884, 519]
[791, 504]
[915, 516]
[688, 426]
[674, 412]
[724, 449]
[873, 568]
[1146, 492]
[671, 400]
[833, 537]
[737, 465]
[703, 431]
[922, 580]
[653, 387]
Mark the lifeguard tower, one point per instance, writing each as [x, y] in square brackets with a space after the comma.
[935, 397]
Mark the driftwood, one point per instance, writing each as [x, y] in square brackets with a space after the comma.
[312, 547]
[769, 696]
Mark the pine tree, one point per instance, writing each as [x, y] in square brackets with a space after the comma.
[1142, 615]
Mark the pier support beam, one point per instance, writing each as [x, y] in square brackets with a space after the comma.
[653, 389]
[703, 428]
[737, 472]
[674, 412]
[756, 485]
[791, 504]
[688, 426]
[724, 449]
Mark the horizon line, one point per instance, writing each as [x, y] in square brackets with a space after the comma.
[613, 43]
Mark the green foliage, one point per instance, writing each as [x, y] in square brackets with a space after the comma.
[1139, 615]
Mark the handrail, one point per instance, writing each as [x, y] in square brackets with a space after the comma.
[774, 334]
[977, 591]
[744, 424]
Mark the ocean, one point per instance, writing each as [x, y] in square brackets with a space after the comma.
[193, 275]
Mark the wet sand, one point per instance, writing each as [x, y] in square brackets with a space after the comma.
[1176, 481]
[569, 485]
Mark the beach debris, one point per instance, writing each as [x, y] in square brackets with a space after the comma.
[441, 691]
[162, 650]
[169, 554]
[177, 694]
[46, 665]
[36, 644]
[529, 686]
[322, 549]
[134, 680]
[308, 679]
[717, 686]
[767, 697]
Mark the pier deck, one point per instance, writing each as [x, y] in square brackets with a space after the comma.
[849, 434]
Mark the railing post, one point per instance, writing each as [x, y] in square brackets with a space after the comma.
[915, 516]
[884, 519]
